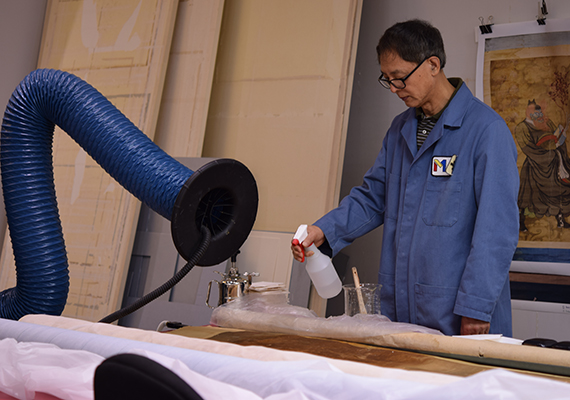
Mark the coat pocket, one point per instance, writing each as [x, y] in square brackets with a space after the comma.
[434, 308]
[441, 203]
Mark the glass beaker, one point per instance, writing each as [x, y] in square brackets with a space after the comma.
[364, 299]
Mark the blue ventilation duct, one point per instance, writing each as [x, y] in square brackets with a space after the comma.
[221, 195]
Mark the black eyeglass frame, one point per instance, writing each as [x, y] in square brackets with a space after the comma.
[387, 83]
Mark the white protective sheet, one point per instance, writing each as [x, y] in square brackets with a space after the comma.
[307, 379]
[30, 368]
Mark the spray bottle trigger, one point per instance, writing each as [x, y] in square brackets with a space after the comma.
[295, 242]
[299, 237]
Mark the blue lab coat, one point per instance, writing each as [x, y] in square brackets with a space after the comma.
[448, 241]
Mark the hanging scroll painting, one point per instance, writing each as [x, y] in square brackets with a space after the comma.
[523, 73]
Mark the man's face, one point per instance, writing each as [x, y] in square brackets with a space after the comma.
[418, 85]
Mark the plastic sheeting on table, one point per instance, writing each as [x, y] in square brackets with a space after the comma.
[270, 312]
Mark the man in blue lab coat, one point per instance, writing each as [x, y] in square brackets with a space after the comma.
[445, 187]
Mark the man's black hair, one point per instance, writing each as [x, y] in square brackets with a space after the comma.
[413, 41]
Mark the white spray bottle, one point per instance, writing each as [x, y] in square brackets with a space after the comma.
[319, 267]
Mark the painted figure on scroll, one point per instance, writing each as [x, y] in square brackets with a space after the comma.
[545, 173]
[444, 186]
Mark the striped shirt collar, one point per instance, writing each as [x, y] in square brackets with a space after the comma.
[456, 82]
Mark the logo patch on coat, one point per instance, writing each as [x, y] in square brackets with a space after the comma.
[443, 166]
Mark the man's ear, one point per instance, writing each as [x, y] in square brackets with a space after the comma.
[434, 64]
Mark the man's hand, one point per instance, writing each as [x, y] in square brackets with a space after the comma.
[470, 326]
[314, 235]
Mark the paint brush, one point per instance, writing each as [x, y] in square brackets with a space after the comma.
[361, 305]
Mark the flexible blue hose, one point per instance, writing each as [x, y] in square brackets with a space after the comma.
[46, 98]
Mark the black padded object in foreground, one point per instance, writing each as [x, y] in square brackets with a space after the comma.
[130, 376]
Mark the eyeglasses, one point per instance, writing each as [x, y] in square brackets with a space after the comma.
[398, 83]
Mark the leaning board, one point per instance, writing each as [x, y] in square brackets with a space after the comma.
[183, 112]
[121, 48]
